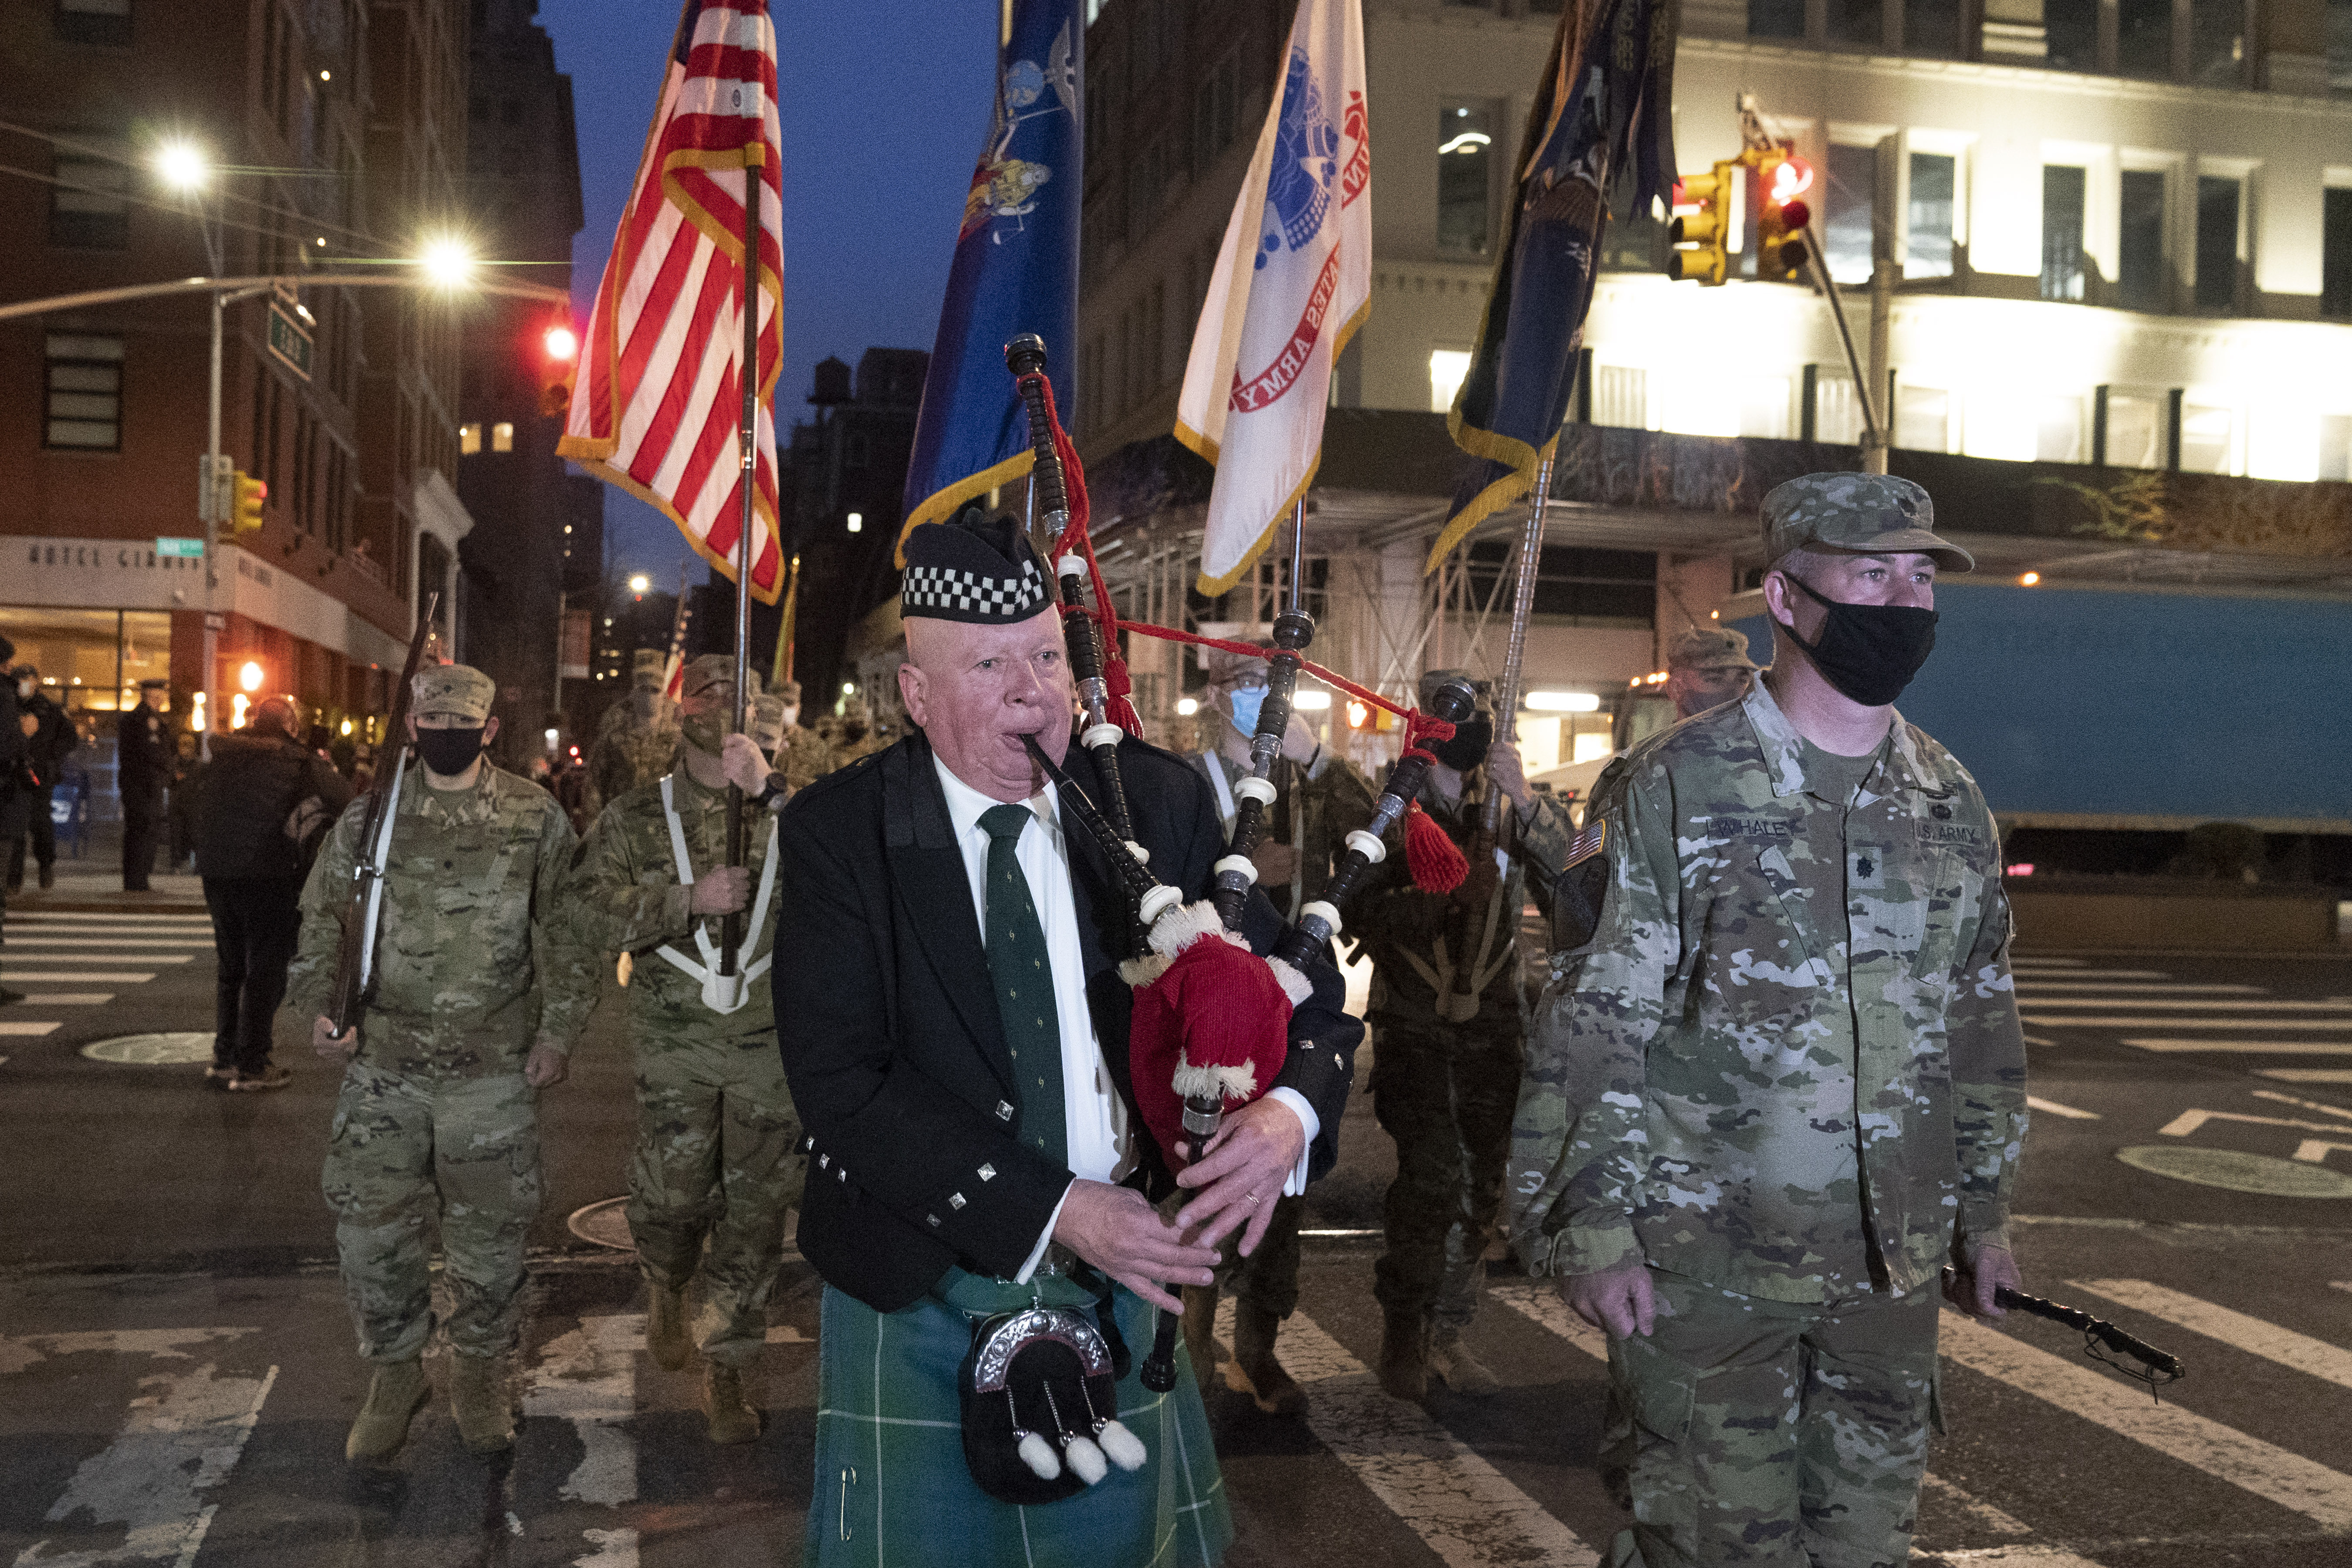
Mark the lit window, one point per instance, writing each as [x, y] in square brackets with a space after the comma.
[1446, 369]
[1934, 176]
[502, 436]
[469, 440]
[1466, 175]
[89, 205]
[85, 393]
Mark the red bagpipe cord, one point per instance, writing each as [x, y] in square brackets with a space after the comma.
[1121, 710]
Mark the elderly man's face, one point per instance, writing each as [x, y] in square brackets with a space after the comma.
[977, 689]
[1696, 691]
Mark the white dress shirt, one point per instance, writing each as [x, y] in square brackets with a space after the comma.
[1094, 1117]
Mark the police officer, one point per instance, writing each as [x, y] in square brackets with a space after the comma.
[716, 1159]
[636, 739]
[143, 773]
[48, 742]
[1448, 1003]
[1319, 798]
[477, 999]
[1779, 1085]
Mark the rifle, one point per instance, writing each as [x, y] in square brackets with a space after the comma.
[355, 954]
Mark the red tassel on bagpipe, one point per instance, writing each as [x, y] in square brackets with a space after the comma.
[1120, 709]
[1434, 860]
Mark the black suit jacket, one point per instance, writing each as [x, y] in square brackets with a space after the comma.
[886, 1018]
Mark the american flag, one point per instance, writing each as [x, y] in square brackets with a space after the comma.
[657, 404]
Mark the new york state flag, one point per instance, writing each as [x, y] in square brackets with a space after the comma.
[1292, 283]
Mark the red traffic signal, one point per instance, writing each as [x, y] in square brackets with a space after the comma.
[560, 364]
[1780, 248]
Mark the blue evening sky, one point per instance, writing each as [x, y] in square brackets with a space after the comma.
[884, 105]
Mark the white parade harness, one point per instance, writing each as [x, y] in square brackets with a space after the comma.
[720, 993]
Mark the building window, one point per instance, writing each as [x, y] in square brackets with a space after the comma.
[503, 433]
[83, 409]
[2139, 249]
[2058, 430]
[2144, 38]
[855, 450]
[89, 205]
[469, 437]
[1621, 397]
[1846, 232]
[2335, 254]
[1446, 369]
[1858, 22]
[94, 21]
[2064, 188]
[1934, 179]
[1579, 586]
[1216, 105]
[2134, 431]
[2070, 30]
[2205, 439]
[2217, 42]
[2216, 244]
[1466, 175]
[1776, 18]
[1932, 27]
[1923, 418]
[2336, 445]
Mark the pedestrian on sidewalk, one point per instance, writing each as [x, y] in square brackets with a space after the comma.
[142, 772]
[265, 803]
[476, 1002]
[49, 739]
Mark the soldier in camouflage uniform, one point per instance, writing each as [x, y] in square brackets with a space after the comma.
[1320, 798]
[473, 1007]
[856, 735]
[1447, 1016]
[801, 755]
[1778, 1084]
[636, 740]
[718, 1159]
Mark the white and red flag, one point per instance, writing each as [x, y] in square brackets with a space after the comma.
[658, 402]
[1292, 283]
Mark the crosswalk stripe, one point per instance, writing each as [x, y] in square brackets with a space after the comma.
[2265, 1469]
[2142, 1021]
[2243, 1047]
[21, 1030]
[2306, 1075]
[2024, 972]
[69, 999]
[1469, 1513]
[2049, 963]
[2018, 1557]
[2035, 1102]
[1981, 1513]
[2042, 987]
[2268, 1341]
[42, 977]
[589, 1378]
[95, 958]
[2185, 1005]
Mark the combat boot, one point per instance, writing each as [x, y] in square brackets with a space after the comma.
[1254, 1371]
[1463, 1373]
[1201, 1331]
[395, 1395]
[1404, 1355]
[732, 1419]
[478, 1398]
[665, 1328]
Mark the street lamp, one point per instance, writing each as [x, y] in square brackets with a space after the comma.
[182, 165]
[640, 583]
[448, 261]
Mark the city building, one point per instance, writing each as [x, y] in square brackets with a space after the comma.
[2124, 240]
[307, 138]
[517, 566]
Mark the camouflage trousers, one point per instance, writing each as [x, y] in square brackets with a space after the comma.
[718, 1163]
[1446, 1094]
[1781, 1433]
[406, 1147]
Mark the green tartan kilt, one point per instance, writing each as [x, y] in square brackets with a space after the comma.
[891, 1485]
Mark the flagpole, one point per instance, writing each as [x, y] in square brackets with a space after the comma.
[730, 930]
[1523, 598]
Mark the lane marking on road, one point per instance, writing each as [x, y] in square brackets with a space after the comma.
[2320, 1105]
[589, 1378]
[2028, 972]
[1469, 1512]
[66, 918]
[2035, 1102]
[2038, 986]
[184, 1434]
[2306, 1075]
[2018, 1557]
[1540, 1304]
[2190, 1121]
[101, 958]
[2184, 1004]
[2243, 1047]
[69, 999]
[2048, 962]
[16, 1030]
[2284, 1346]
[34, 977]
[2265, 1469]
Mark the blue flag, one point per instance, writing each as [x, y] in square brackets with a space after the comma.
[1607, 96]
[1016, 270]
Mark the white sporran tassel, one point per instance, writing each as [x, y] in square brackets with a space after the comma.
[1121, 1447]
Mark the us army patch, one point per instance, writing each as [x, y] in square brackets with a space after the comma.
[1587, 844]
[1966, 832]
[1579, 889]
[1750, 828]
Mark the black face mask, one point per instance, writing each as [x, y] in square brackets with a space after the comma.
[1869, 652]
[449, 752]
[1473, 738]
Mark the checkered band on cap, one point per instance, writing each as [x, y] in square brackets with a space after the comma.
[957, 595]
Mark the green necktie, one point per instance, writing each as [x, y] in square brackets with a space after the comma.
[1024, 972]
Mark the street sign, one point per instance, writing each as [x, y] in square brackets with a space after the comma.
[289, 332]
[181, 549]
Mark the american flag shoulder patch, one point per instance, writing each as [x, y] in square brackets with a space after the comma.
[1587, 843]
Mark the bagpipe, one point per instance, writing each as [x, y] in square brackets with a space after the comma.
[1210, 1028]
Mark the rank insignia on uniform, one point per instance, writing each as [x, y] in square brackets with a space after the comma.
[1586, 844]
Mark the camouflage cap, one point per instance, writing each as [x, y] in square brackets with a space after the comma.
[853, 710]
[1227, 668]
[790, 693]
[763, 721]
[1709, 647]
[707, 671]
[646, 668]
[458, 690]
[1874, 512]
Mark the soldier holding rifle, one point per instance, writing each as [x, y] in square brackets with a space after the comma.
[471, 1005]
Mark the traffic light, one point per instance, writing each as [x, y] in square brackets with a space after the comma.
[560, 364]
[1705, 229]
[1781, 245]
[245, 503]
